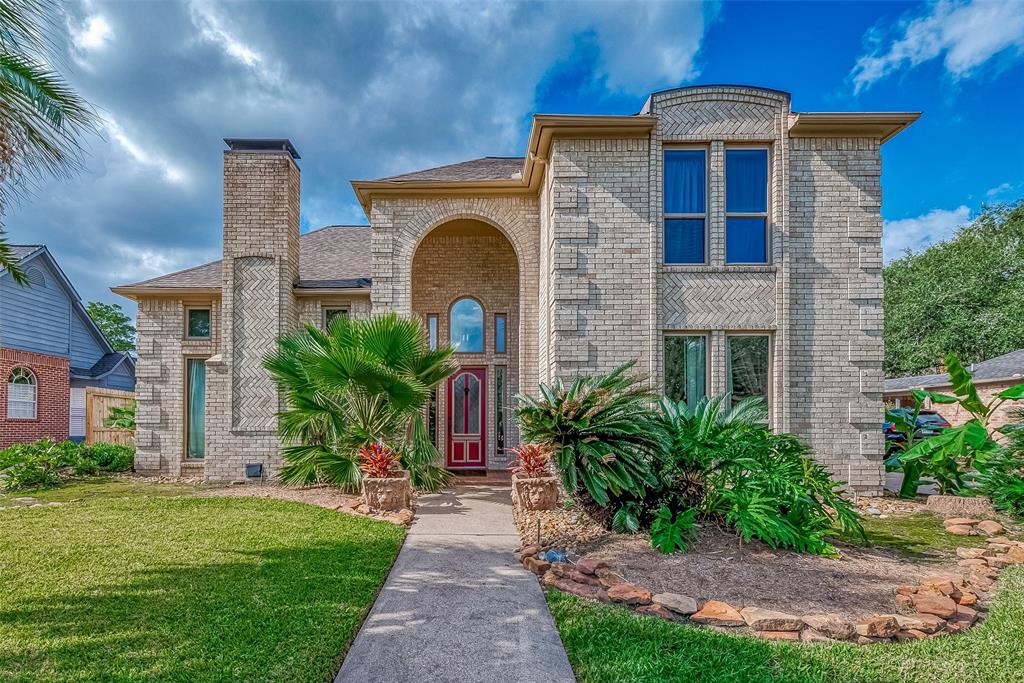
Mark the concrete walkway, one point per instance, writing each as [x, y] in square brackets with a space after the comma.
[457, 606]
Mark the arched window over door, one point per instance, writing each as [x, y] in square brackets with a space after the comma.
[21, 395]
[466, 326]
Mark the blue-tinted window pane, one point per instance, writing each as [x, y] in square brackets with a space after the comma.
[746, 180]
[499, 334]
[684, 240]
[745, 240]
[432, 332]
[684, 181]
[467, 326]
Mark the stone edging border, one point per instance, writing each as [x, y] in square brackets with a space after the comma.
[938, 605]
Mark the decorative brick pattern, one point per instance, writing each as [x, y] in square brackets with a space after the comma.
[256, 316]
[53, 397]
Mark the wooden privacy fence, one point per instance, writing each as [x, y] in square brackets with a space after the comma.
[98, 402]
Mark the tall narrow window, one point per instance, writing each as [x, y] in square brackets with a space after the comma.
[499, 332]
[432, 332]
[195, 419]
[749, 365]
[746, 206]
[499, 408]
[466, 325]
[331, 313]
[685, 192]
[686, 358]
[21, 395]
[432, 416]
[198, 323]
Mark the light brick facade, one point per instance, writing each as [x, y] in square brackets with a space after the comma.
[571, 249]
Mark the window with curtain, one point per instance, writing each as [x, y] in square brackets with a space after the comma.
[685, 207]
[22, 395]
[198, 323]
[195, 419]
[500, 321]
[466, 326]
[746, 205]
[686, 358]
[432, 332]
[749, 365]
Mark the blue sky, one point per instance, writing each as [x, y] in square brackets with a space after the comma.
[370, 89]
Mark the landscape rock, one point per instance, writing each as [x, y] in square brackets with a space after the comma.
[964, 613]
[941, 606]
[580, 577]
[960, 521]
[906, 590]
[528, 551]
[590, 565]
[832, 625]
[911, 634]
[778, 635]
[905, 602]
[926, 623]
[716, 613]
[997, 562]
[405, 516]
[972, 553]
[580, 589]
[990, 527]
[960, 530]
[1015, 555]
[883, 626]
[968, 599]
[810, 635]
[978, 562]
[680, 604]
[630, 594]
[537, 565]
[655, 610]
[609, 578]
[769, 620]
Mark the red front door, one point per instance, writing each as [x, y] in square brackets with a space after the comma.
[467, 421]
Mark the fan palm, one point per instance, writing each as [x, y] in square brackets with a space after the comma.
[603, 433]
[42, 120]
[360, 382]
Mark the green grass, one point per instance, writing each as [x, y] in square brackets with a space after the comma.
[83, 488]
[918, 536]
[139, 583]
[609, 644]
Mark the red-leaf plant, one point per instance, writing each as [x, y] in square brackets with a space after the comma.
[533, 461]
[378, 461]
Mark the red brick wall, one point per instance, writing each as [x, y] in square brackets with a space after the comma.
[53, 397]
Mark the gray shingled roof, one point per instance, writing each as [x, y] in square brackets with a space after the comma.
[337, 256]
[1010, 365]
[487, 168]
[105, 364]
[20, 251]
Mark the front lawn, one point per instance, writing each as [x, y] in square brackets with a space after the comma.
[173, 587]
[613, 645]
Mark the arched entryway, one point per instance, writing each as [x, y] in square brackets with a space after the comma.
[465, 289]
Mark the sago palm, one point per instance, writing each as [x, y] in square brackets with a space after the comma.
[603, 433]
[360, 382]
[42, 120]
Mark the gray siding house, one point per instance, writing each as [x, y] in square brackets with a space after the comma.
[722, 240]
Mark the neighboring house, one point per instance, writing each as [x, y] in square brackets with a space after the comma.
[50, 351]
[990, 377]
[720, 239]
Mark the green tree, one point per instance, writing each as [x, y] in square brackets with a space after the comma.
[361, 382]
[113, 323]
[964, 296]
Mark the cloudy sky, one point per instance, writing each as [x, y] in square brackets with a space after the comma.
[371, 89]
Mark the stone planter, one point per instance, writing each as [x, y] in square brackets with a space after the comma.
[539, 493]
[389, 494]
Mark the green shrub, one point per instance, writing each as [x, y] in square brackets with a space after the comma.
[670, 535]
[41, 464]
[604, 436]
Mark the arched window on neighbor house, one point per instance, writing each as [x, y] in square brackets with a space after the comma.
[21, 394]
[466, 325]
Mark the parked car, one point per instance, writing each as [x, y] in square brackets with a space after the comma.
[929, 423]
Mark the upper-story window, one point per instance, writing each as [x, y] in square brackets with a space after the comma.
[685, 191]
[21, 395]
[746, 205]
[466, 326]
[197, 323]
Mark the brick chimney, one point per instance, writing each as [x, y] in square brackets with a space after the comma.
[258, 272]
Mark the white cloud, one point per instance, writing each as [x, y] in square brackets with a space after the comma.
[132, 263]
[144, 157]
[917, 233]
[93, 34]
[212, 29]
[965, 34]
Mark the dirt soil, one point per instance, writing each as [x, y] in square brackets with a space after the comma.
[858, 584]
[322, 496]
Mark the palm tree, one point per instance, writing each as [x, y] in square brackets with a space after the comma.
[42, 120]
[360, 382]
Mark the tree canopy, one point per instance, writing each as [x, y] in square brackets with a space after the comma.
[113, 323]
[964, 296]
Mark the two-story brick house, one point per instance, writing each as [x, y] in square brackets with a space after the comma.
[724, 241]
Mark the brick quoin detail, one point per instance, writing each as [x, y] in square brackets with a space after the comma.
[53, 396]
